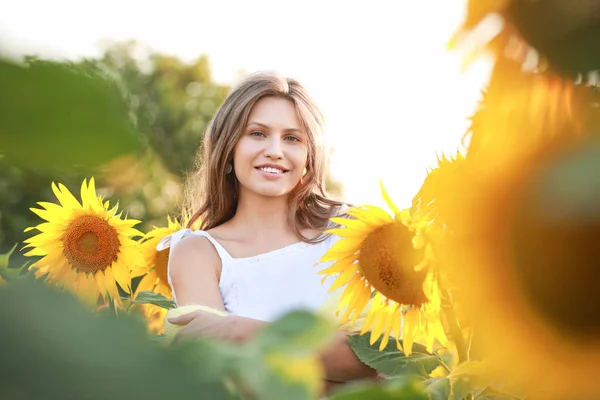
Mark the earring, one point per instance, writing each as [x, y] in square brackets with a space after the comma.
[228, 168]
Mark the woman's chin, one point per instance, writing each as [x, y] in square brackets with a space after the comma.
[271, 190]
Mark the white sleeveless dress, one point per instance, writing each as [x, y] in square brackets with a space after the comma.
[269, 285]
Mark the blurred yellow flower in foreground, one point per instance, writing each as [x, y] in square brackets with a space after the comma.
[85, 247]
[526, 230]
[383, 262]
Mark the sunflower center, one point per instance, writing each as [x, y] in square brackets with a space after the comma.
[90, 243]
[387, 259]
[554, 235]
[161, 260]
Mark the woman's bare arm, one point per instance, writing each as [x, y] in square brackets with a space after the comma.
[195, 267]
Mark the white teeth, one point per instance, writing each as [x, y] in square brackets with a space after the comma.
[271, 170]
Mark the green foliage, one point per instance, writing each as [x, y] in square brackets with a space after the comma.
[8, 271]
[471, 378]
[172, 100]
[280, 362]
[53, 348]
[50, 111]
[4, 258]
[391, 361]
[69, 353]
[394, 389]
[297, 332]
[148, 297]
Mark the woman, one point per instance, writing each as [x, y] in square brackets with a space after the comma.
[261, 198]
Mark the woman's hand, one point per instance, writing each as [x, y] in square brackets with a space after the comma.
[201, 323]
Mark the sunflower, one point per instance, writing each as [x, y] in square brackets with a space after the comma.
[568, 45]
[156, 279]
[526, 257]
[384, 264]
[86, 247]
[437, 195]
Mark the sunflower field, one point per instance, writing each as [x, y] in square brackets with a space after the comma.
[485, 288]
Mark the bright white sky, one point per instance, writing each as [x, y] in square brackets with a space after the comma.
[393, 97]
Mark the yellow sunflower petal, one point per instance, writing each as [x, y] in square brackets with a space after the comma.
[341, 266]
[89, 288]
[43, 214]
[381, 325]
[88, 194]
[349, 293]
[377, 304]
[66, 199]
[52, 207]
[359, 302]
[345, 232]
[353, 224]
[101, 282]
[342, 249]
[148, 282]
[389, 201]
[39, 273]
[47, 227]
[389, 327]
[345, 277]
[111, 286]
[411, 323]
[371, 215]
[35, 252]
[122, 276]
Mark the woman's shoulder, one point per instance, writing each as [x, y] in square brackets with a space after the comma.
[187, 243]
[187, 247]
[185, 235]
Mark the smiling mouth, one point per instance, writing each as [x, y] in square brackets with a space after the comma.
[272, 170]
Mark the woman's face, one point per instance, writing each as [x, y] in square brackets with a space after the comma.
[271, 156]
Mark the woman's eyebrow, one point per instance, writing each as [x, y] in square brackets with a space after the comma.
[291, 130]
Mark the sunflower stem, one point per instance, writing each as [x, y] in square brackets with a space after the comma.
[454, 326]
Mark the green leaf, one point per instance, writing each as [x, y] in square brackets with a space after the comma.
[470, 377]
[437, 388]
[491, 394]
[58, 350]
[149, 297]
[291, 376]
[391, 361]
[11, 273]
[298, 331]
[59, 115]
[5, 257]
[477, 378]
[395, 389]
[281, 361]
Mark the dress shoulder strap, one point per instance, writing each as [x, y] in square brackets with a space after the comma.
[171, 240]
[224, 254]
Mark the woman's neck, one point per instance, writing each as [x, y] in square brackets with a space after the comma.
[262, 217]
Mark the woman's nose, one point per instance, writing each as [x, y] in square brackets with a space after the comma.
[273, 148]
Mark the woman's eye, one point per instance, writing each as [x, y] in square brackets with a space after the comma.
[256, 133]
[292, 138]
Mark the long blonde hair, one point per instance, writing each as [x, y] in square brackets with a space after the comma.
[212, 195]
